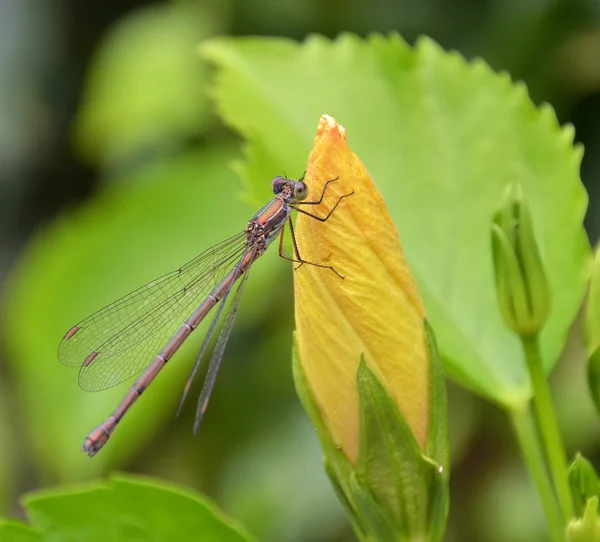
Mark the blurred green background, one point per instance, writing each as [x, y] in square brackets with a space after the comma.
[114, 169]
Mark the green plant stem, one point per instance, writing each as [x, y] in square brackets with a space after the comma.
[531, 447]
[546, 418]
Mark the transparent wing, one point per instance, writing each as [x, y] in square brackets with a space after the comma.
[217, 356]
[119, 340]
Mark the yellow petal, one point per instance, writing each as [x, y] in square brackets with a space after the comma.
[376, 309]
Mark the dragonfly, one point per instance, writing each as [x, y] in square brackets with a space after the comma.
[141, 332]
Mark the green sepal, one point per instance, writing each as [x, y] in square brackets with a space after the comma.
[593, 377]
[586, 529]
[389, 458]
[538, 291]
[408, 486]
[509, 282]
[583, 482]
[379, 528]
[355, 518]
[437, 435]
[437, 438]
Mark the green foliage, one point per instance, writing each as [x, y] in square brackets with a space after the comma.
[146, 87]
[442, 138]
[126, 508]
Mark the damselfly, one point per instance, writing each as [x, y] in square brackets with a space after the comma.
[119, 341]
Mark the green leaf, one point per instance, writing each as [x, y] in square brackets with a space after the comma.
[145, 86]
[12, 531]
[129, 234]
[442, 138]
[129, 508]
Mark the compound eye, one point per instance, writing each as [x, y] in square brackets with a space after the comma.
[277, 184]
[300, 190]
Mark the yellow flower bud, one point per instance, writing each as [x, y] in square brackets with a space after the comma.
[375, 309]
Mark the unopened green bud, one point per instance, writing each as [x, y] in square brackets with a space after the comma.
[521, 284]
[583, 482]
[586, 529]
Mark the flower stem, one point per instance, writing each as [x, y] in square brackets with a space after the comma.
[528, 438]
[548, 426]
